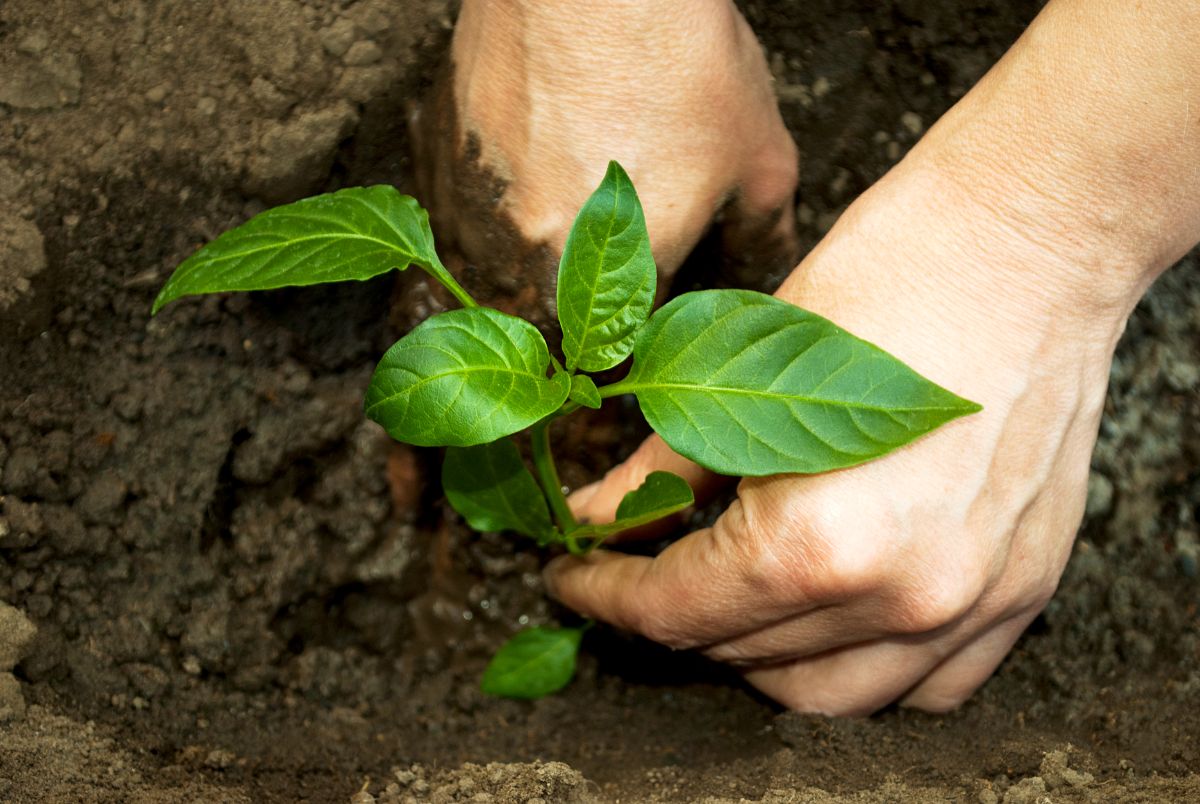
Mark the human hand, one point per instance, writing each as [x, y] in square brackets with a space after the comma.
[908, 578]
[544, 95]
[1001, 259]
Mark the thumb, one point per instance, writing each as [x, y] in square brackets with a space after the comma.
[597, 503]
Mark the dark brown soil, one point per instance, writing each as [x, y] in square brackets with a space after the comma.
[233, 603]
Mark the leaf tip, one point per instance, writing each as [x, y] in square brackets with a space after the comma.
[616, 171]
[163, 298]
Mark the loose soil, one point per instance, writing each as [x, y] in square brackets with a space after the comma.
[243, 592]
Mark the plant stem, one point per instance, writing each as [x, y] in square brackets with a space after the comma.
[447, 280]
[463, 297]
[614, 389]
[547, 472]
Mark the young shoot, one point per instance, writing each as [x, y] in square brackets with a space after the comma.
[740, 382]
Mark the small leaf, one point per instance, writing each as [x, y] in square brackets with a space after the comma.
[464, 377]
[490, 486]
[534, 663]
[583, 391]
[355, 233]
[747, 384]
[606, 277]
[661, 494]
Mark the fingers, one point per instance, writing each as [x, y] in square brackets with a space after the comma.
[853, 681]
[876, 604]
[597, 503]
[953, 681]
[707, 587]
[936, 671]
[818, 631]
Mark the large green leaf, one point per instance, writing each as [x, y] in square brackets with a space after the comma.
[355, 233]
[747, 384]
[490, 486]
[534, 663]
[464, 377]
[661, 494]
[606, 277]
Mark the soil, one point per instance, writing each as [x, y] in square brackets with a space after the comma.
[219, 583]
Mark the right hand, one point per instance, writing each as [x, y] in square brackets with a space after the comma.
[544, 95]
[908, 578]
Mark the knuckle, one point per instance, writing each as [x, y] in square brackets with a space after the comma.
[762, 551]
[938, 599]
[854, 566]
[846, 547]
[1035, 597]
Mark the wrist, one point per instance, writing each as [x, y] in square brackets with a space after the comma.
[1078, 141]
[517, 62]
[930, 272]
[1052, 239]
[633, 32]
[1094, 255]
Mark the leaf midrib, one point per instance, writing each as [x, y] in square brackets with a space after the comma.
[595, 280]
[284, 244]
[633, 388]
[410, 389]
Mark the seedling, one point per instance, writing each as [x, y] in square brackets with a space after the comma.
[740, 382]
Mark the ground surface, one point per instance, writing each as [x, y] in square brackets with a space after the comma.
[231, 606]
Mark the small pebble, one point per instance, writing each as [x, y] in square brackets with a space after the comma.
[338, 37]
[1099, 495]
[912, 122]
[362, 53]
[157, 94]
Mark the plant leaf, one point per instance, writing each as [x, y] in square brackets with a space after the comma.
[464, 377]
[606, 277]
[355, 233]
[490, 486]
[747, 384]
[661, 494]
[583, 391]
[534, 663]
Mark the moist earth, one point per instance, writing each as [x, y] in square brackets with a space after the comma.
[219, 583]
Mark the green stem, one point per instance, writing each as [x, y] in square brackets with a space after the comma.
[547, 472]
[615, 389]
[447, 280]
[573, 544]
[463, 297]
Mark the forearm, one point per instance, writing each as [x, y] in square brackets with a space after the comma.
[592, 51]
[1087, 137]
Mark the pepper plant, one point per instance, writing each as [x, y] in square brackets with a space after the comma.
[740, 382]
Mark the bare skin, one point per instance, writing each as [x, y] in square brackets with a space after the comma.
[552, 92]
[1001, 259]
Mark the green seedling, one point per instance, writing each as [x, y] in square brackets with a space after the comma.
[740, 382]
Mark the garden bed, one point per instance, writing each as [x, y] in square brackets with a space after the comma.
[244, 592]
